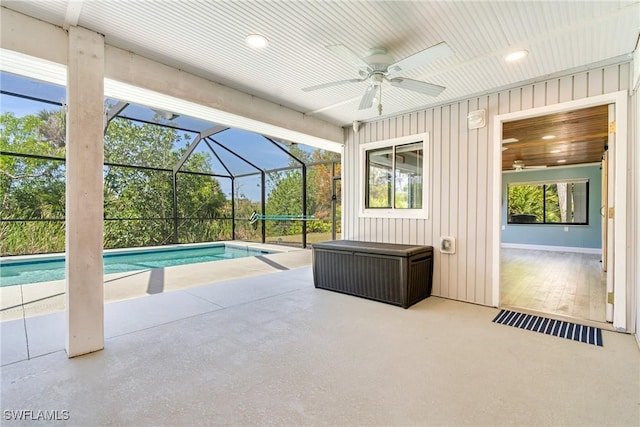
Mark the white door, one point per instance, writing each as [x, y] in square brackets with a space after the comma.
[608, 253]
[605, 208]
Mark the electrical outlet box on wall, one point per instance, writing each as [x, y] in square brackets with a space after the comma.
[447, 245]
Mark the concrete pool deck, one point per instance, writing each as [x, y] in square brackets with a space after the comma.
[22, 301]
[273, 350]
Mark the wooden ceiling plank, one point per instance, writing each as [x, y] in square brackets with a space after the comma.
[580, 135]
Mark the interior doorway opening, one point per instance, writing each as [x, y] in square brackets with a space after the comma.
[570, 283]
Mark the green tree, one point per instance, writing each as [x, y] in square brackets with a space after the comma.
[285, 193]
[285, 198]
[244, 208]
[138, 201]
[553, 208]
[540, 200]
[53, 127]
[31, 188]
[526, 199]
[145, 196]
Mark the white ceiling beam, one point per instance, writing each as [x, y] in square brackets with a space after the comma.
[35, 49]
[28, 36]
[74, 7]
[213, 102]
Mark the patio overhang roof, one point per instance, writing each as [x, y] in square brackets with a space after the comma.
[131, 77]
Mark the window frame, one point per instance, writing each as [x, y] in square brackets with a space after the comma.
[422, 213]
[545, 184]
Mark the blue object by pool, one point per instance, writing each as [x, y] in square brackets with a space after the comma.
[53, 268]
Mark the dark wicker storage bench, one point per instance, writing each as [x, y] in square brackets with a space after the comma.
[391, 273]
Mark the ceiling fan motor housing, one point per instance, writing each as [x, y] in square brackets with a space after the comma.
[378, 59]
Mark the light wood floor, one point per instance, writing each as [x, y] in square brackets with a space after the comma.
[562, 283]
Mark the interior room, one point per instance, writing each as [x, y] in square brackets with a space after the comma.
[555, 262]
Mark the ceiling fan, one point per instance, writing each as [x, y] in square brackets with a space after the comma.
[518, 166]
[378, 67]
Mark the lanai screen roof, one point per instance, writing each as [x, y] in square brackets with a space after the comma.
[237, 152]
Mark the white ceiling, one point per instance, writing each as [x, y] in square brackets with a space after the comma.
[206, 38]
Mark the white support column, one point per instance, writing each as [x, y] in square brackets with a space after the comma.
[84, 209]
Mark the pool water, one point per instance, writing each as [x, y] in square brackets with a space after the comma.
[46, 269]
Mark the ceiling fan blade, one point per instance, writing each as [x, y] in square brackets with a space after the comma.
[342, 52]
[417, 86]
[440, 50]
[519, 165]
[331, 84]
[367, 98]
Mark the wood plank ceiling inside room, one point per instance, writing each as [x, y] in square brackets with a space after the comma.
[580, 137]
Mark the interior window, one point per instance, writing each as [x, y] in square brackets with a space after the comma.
[561, 202]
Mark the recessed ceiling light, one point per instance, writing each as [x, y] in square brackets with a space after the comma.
[515, 56]
[508, 140]
[562, 161]
[256, 41]
[555, 151]
[548, 137]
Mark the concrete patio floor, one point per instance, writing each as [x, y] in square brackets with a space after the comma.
[34, 299]
[272, 350]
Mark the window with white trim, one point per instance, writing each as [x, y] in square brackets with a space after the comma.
[394, 175]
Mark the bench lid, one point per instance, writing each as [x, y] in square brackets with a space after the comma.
[374, 247]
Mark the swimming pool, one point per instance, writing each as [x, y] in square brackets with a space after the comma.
[46, 268]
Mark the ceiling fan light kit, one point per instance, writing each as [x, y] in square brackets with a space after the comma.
[378, 67]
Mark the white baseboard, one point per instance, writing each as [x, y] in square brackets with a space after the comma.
[595, 251]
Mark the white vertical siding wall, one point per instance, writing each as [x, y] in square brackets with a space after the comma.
[634, 153]
[460, 190]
